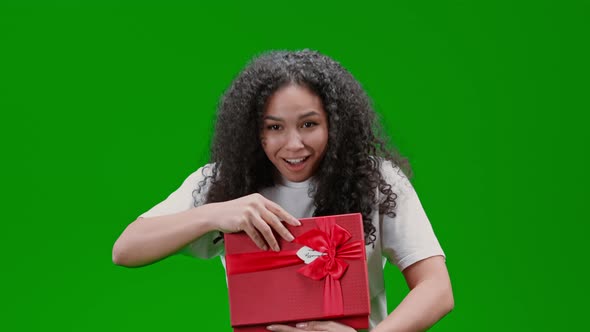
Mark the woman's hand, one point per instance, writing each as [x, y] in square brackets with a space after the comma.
[317, 326]
[255, 215]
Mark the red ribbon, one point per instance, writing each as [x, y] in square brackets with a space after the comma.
[328, 238]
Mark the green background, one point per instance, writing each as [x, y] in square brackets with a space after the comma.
[107, 107]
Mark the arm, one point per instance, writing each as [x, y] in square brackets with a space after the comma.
[147, 240]
[429, 299]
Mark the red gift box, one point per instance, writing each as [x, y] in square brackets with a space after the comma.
[267, 287]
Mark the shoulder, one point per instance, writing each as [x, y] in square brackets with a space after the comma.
[200, 180]
[205, 171]
[393, 175]
[189, 194]
[202, 173]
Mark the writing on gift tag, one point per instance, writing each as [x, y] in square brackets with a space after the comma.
[309, 255]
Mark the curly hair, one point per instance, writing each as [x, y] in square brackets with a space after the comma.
[349, 173]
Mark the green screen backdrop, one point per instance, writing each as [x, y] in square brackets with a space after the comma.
[107, 106]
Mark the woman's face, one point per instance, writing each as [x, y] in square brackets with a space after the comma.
[294, 133]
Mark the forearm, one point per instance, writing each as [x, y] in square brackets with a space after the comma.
[424, 305]
[147, 240]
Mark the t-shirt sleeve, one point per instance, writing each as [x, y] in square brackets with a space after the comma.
[408, 237]
[186, 197]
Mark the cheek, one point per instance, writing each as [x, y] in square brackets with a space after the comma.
[320, 140]
[269, 145]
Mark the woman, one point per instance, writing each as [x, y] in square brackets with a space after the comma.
[296, 137]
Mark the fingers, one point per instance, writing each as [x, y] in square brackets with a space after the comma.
[266, 232]
[283, 328]
[255, 236]
[281, 213]
[315, 326]
[261, 217]
[312, 326]
[278, 226]
[328, 326]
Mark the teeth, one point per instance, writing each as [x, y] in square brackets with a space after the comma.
[294, 161]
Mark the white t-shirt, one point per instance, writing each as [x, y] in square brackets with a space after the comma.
[403, 240]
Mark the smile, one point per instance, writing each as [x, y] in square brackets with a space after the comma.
[296, 161]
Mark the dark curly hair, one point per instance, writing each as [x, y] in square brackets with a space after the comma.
[349, 173]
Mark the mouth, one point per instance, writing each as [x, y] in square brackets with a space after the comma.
[296, 164]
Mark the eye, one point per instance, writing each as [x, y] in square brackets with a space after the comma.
[273, 127]
[309, 124]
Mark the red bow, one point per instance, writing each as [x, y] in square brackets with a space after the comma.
[330, 239]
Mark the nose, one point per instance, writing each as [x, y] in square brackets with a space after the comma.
[294, 141]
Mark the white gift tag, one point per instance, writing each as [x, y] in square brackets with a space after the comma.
[308, 255]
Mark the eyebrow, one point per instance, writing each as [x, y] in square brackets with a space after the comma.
[274, 118]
